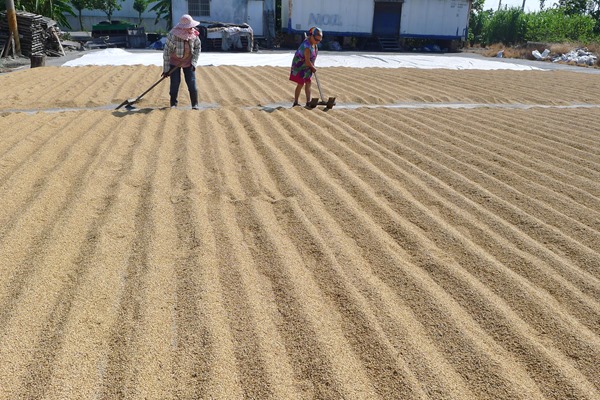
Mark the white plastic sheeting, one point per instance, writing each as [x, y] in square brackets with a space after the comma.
[284, 59]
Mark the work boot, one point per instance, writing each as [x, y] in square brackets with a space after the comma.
[194, 100]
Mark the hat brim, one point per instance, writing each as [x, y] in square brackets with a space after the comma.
[190, 24]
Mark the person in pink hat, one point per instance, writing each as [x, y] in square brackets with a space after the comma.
[182, 50]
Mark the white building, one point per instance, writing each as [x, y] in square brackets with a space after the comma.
[435, 19]
[255, 13]
[431, 19]
[252, 12]
[126, 14]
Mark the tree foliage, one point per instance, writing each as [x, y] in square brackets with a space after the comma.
[477, 20]
[582, 7]
[567, 20]
[477, 6]
[555, 25]
[140, 6]
[572, 7]
[506, 26]
[81, 5]
[163, 8]
[55, 9]
[107, 6]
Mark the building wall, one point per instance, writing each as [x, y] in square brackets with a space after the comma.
[446, 19]
[420, 18]
[333, 16]
[126, 13]
[230, 11]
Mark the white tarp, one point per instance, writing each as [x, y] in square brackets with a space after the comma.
[284, 59]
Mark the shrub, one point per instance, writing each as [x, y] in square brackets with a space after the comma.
[477, 23]
[554, 25]
[55, 9]
[513, 26]
[506, 26]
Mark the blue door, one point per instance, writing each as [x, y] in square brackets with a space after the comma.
[386, 18]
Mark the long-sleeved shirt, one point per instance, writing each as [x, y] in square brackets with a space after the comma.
[176, 46]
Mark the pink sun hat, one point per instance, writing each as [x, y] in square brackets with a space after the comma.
[186, 21]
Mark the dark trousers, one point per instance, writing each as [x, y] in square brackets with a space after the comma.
[190, 79]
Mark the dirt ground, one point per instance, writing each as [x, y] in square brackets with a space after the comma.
[444, 248]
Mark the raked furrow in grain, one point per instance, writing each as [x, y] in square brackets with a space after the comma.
[49, 270]
[241, 302]
[147, 165]
[349, 280]
[323, 283]
[501, 181]
[204, 360]
[31, 88]
[358, 253]
[406, 172]
[18, 130]
[496, 199]
[85, 313]
[35, 195]
[426, 224]
[93, 86]
[370, 236]
[375, 346]
[392, 144]
[447, 243]
[208, 88]
[217, 85]
[544, 139]
[567, 177]
[364, 89]
[113, 85]
[489, 156]
[260, 87]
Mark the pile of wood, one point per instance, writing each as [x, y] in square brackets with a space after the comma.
[38, 34]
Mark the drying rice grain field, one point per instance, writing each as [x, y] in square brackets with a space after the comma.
[421, 252]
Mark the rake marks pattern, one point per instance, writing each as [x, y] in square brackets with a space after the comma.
[368, 253]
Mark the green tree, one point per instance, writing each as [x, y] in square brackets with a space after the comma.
[81, 5]
[554, 25]
[571, 7]
[107, 6]
[477, 6]
[140, 6]
[582, 7]
[505, 26]
[477, 21]
[163, 8]
[55, 9]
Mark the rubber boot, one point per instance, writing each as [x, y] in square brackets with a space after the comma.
[194, 100]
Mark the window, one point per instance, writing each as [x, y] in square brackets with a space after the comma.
[200, 8]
